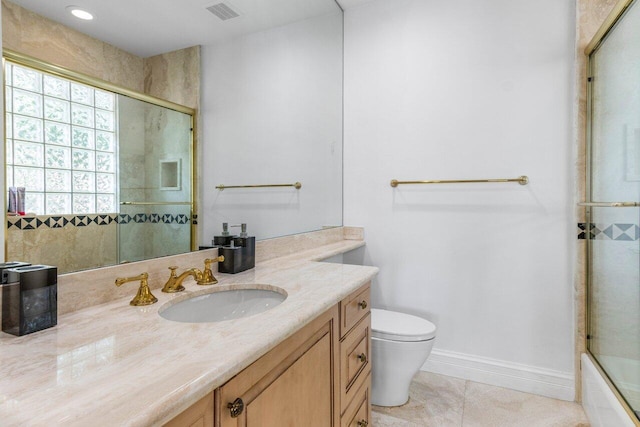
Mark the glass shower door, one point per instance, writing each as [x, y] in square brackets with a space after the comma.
[613, 212]
[155, 186]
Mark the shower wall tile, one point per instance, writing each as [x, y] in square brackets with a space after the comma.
[174, 76]
[29, 33]
[57, 241]
[620, 232]
[79, 242]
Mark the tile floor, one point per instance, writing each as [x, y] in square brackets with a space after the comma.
[441, 401]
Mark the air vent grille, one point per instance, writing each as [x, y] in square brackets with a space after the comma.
[223, 11]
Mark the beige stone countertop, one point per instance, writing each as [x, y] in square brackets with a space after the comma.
[115, 365]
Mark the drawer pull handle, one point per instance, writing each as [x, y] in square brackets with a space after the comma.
[363, 423]
[362, 357]
[236, 408]
[362, 304]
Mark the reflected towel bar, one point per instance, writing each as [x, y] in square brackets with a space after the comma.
[611, 204]
[153, 203]
[522, 180]
[297, 185]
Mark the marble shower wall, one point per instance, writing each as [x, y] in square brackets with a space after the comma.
[174, 76]
[31, 34]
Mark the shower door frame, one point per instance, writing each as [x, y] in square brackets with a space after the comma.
[607, 26]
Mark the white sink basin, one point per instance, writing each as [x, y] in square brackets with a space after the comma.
[223, 305]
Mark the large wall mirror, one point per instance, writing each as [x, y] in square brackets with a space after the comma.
[268, 109]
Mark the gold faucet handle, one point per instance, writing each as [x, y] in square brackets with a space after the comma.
[170, 286]
[207, 274]
[144, 295]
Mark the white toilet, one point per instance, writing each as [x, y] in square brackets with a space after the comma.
[400, 344]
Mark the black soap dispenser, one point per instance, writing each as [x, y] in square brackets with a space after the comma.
[239, 254]
[224, 238]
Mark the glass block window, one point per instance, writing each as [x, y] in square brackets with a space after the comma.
[60, 143]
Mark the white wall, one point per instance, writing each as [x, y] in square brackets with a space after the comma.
[271, 114]
[463, 90]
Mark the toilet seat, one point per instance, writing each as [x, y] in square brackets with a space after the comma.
[394, 326]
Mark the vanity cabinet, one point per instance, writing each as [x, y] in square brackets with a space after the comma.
[292, 385]
[200, 414]
[355, 358]
[318, 377]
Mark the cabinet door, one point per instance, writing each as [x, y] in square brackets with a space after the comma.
[200, 414]
[297, 391]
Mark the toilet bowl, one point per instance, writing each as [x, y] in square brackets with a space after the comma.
[400, 344]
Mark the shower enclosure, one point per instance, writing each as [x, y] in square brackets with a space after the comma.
[613, 206]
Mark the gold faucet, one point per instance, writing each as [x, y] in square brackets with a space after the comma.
[207, 274]
[144, 295]
[174, 284]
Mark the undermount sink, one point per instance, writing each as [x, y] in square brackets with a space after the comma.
[223, 305]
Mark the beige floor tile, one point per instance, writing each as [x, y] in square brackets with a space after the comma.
[379, 419]
[434, 400]
[487, 405]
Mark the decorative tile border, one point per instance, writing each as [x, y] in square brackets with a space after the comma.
[60, 221]
[620, 232]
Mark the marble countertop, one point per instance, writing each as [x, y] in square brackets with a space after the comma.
[114, 364]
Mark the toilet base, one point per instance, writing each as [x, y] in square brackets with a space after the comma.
[393, 366]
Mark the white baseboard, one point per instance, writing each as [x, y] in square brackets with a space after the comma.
[530, 379]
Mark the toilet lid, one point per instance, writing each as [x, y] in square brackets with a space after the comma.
[395, 326]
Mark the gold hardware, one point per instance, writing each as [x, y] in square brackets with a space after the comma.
[236, 408]
[144, 295]
[362, 304]
[297, 186]
[362, 357]
[616, 13]
[363, 423]
[174, 283]
[171, 287]
[522, 180]
[611, 204]
[207, 275]
[155, 203]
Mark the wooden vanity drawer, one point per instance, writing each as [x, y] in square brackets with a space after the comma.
[354, 307]
[355, 364]
[358, 413]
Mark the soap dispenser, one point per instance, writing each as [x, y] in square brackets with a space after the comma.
[239, 254]
[248, 243]
[224, 238]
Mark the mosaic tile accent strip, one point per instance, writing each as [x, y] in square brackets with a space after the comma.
[619, 232]
[45, 221]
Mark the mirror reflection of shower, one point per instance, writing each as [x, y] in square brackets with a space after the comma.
[106, 178]
[154, 187]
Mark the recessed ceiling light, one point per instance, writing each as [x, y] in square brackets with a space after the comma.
[80, 13]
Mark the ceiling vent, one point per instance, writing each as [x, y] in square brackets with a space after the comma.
[223, 11]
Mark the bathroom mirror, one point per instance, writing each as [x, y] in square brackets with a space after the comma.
[270, 111]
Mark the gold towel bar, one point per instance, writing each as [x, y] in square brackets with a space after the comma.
[297, 185]
[611, 204]
[153, 203]
[522, 180]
